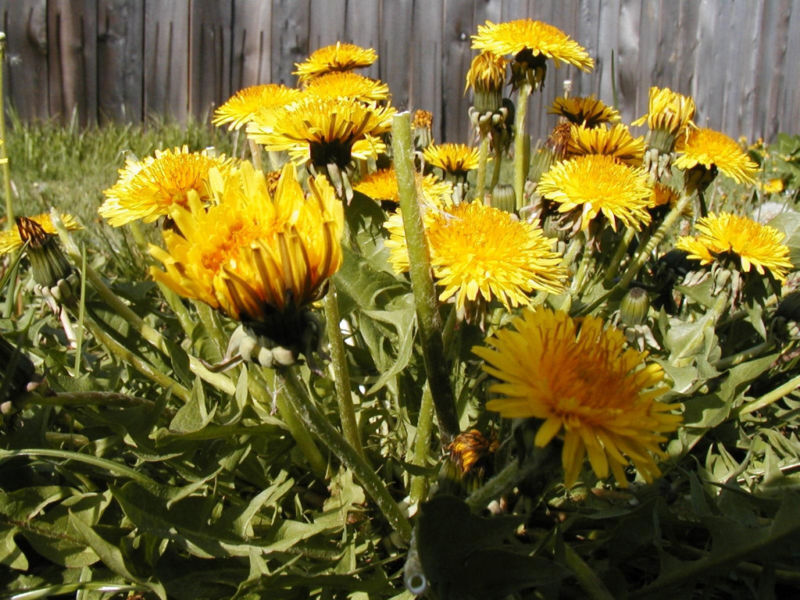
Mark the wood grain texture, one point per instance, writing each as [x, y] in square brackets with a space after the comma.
[166, 58]
[120, 52]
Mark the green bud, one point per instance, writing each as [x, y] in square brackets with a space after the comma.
[634, 307]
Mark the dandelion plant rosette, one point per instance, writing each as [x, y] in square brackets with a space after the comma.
[578, 378]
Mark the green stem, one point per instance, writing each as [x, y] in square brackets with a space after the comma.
[506, 479]
[587, 578]
[419, 483]
[520, 162]
[483, 157]
[260, 385]
[341, 373]
[255, 153]
[338, 446]
[430, 321]
[644, 253]
[770, 397]
[86, 398]
[622, 248]
[3, 150]
[736, 359]
[498, 161]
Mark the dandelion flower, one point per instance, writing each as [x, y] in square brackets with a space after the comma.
[534, 37]
[669, 115]
[348, 85]
[597, 184]
[587, 111]
[486, 76]
[753, 244]
[148, 189]
[249, 254]
[11, 240]
[616, 142]
[382, 185]
[478, 251]
[455, 159]
[577, 377]
[323, 130]
[335, 58]
[711, 149]
[240, 108]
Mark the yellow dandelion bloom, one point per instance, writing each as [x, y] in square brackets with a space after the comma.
[486, 72]
[348, 85]
[540, 39]
[478, 251]
[323, 130]
[455, 159]
[773, 186]
[599, 184]
[668, 111]
[753, 244]
[335, 58]
[422, 119]
[239, 109]
[250, 254]
[10, 239]
[382, 185]
[616, 142]
[588, 111]
[578, 377]
[711, 149]
[149, 188]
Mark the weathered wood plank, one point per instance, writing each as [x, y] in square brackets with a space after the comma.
[362, 27]
[25, 76]
[120, 28]
[456, 59]
[166, 58]
[425, 87]
[209, 55]
[251, 44]
[72, 59]
[396, 49]
[290, 41]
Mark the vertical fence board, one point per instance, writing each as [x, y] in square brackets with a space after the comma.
[209, 55]
[25, 73]
[456, 58]
[166, 58]
[425, 87]
[362, 26]
[397, 49]
[72, 59]
[326, 22]
[251, 44]
[120, 31]
[290, 43]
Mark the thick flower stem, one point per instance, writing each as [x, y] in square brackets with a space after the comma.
[338, 446]
[644, 253]
[341, 373]
[430, 321]
[483, 159]
[419, 483]
[520, 156]
[619, 253]
[770, 397]
[498, 161]
[506, 479]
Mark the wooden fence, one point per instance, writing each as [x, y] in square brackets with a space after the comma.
[125, 60]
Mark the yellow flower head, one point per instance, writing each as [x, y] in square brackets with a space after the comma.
[668, 111]
[577, 377]
[11, 240]
[149, 188]
[616, 142]
[481, 251]
[382, 185]
[334, 58]
[249, 254]
[239, 109]
[711, 149]
[486, 72]
[773, 186]
[536, 37]
[455, 159]
[587, 111]
[323, 130]
[348, 85]
[423, 119]
[731, 236]
[599, 184]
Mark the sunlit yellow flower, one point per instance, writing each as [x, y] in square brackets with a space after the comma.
[348, 85]
[487, 71]
[482, 252]
[730, 236]
[334, 58]
[773, 186]
[540, 39]
[250, 254]
[599, 184]
[239, 109]
[616, 142]
[323, 130]
[149, 188]
[382, 185]
[577, 377]
[588, 111]
[668, 112]
[711, 149]
[422, 119]
[10, 239]
[455, 159]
